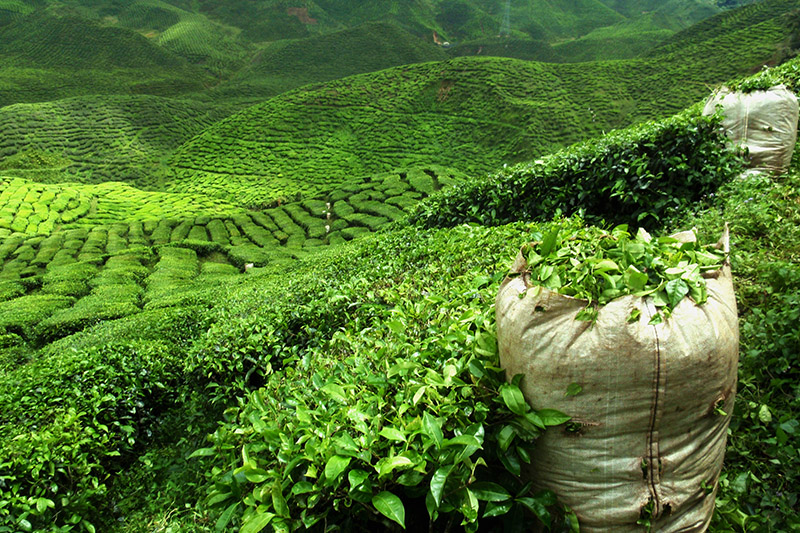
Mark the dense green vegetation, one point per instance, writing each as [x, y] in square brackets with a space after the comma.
[43, 57]
[310, 140]
[255, 49]
[291, 63]
[637, 176]
[93, 139]
[281, 316]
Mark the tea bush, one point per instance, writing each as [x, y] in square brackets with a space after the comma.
[20, 315]
[399, 363]
[101, 402]
[637, 176]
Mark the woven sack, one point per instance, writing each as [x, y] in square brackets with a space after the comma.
[648, 433]
[764, 121]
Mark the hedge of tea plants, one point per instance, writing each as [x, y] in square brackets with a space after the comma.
[97, 267]
[92, 139]
[45, 57]
[637, 176]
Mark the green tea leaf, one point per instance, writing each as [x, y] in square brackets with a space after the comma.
[302, 487]
[635, 280]
[469, 505]
[391, 507]
[764, 415]
[514, 399]
[551, 417]
[506, 437]
[463, 440]
[489, 492]
[393, 434]
[202, 452]
[256, 475]
[43, 503]
[497, 509]
[225, 518]
[433, 429]
[573, 389]
[257, 522]
[335, 466]
[278, 501]
[388, 464]
[438, 481]
[676, 290]
[335, 391]
[548, 243]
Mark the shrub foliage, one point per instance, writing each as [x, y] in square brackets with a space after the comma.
[635, 176]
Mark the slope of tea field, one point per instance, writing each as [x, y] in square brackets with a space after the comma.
[171, 360]
[288, 64]
[91, 139]
[44, 57]
[310, 139]
[205, 360]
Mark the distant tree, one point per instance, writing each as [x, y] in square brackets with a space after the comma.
[454, 14]
[794, 25]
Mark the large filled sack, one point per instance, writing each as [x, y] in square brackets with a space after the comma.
[648, 378]
[764, 121]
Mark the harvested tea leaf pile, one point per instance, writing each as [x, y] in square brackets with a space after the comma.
[598, 266]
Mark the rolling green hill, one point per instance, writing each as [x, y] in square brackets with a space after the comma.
[44, 57]
[625, 40]
[309, 140]
[223, 38]
[92, 139]
[288, 64]
[69, 42]
[722, 26]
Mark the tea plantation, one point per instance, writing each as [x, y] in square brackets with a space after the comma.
[93, 139]
[217, 316]
[309, 140]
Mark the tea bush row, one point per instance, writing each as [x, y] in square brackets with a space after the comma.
[101, 403]
[27, 207]
[637, 176]
[404, 369]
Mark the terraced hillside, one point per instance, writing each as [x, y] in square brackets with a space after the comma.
[724, 26]
[123, 352]
[262, 341]
[288, 64]
[222, 40]
[36, 208]
[65, 248]
[93, 139]
[625, 40]
[43, 57]
[309, 140]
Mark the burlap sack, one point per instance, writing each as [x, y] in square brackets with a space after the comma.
[647, 430]
[764, 121]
